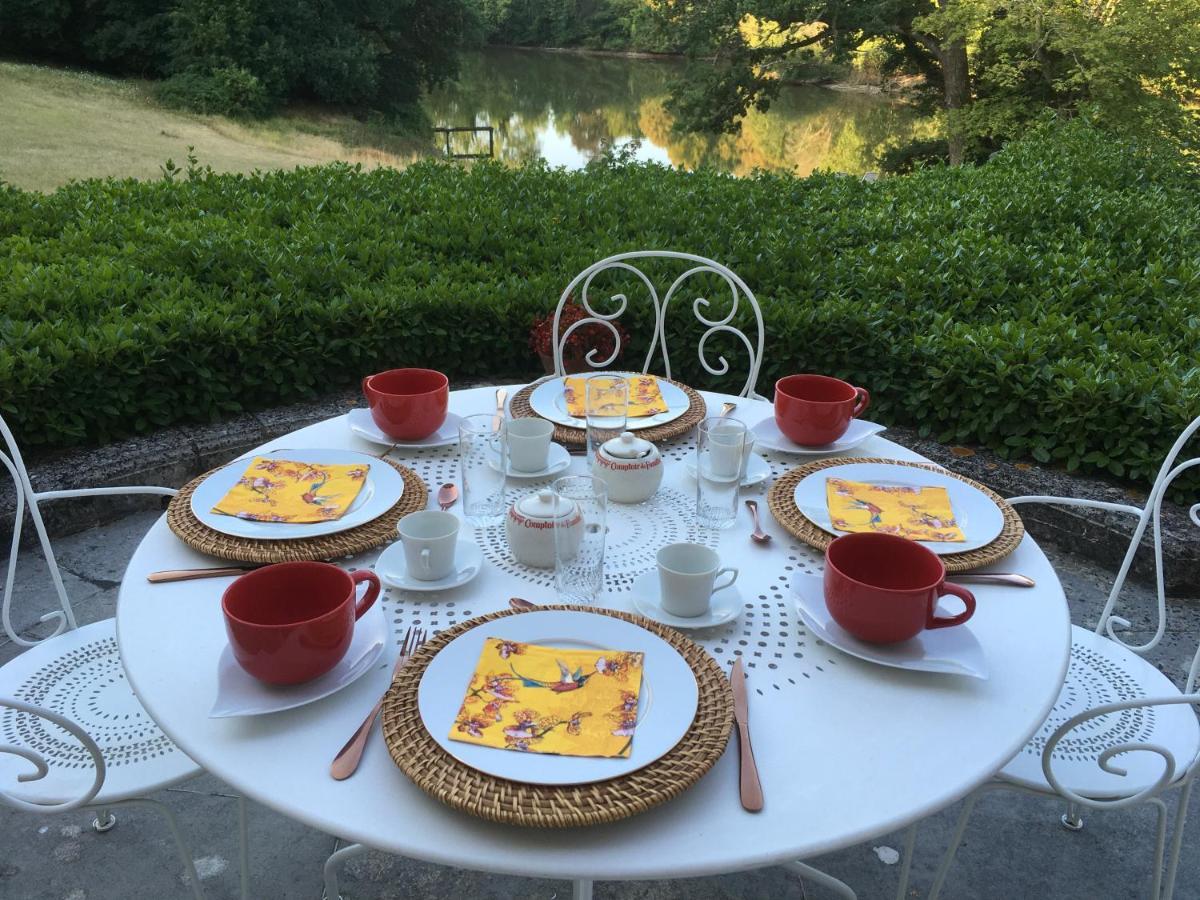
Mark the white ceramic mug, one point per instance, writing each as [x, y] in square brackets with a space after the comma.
[687, 575]
[429, 539]
[528, 443]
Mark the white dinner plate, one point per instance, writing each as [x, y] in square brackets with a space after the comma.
[666, 703]
[768, 435]
[241, 694]
[556, 461]
[646, 592]
[383, 488]
[392, 568]
[549, 402]
[758, 470]
[977, 514]
[364, 426]
[951, 651]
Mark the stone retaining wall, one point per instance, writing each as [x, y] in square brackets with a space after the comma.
[175, 455]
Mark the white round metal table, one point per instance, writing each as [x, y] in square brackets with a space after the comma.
[847, 750]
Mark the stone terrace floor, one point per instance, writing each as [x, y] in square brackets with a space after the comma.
[1013, 848]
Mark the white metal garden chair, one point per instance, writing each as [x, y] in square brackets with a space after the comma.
[702, 308]
[72, 733]
[1120, 732]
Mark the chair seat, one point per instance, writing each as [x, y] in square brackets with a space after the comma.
[1102, 671]
[79, 675]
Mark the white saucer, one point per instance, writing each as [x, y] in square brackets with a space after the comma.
[556, 460]
[768, 436]
[241, 694]
[392, 571]
[758, 470]
[726, 604]
[363, 425]
[950, 651]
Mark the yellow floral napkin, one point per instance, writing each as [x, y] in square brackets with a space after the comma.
[645, 398]
[276, 490]
[551, 700]
[917, 513]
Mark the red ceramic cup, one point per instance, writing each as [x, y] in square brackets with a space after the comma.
[293, 622]
[408, 404]
[814, 410]
[884, 589]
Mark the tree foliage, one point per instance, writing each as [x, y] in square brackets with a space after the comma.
[245, 56]
[997, 64]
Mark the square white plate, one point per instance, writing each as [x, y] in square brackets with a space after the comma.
[953, 651]
[241, 694]
[768, 436]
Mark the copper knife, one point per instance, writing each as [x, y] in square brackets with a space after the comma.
[750, 787]
[498, 418]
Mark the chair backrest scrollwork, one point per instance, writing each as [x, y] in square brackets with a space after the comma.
[1151, 516]
[12, 460]
[702, 309]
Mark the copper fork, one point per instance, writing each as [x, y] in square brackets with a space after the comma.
[346, 762]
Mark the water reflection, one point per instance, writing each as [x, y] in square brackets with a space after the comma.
[562, 107]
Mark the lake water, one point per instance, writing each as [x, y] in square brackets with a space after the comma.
[563, 106]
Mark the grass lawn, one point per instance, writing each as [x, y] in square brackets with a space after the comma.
[57, 125]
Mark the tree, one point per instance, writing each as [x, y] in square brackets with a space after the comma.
[996, 64]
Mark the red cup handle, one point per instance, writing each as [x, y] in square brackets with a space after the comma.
[932, 621]
[373, 586]
[864, 400]
[366, 378]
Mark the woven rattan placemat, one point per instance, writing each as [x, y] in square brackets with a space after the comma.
[380, 530]
[782, 503]
[556, 806]
[697, 409]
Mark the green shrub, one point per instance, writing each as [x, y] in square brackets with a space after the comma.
[1046, 304]
[225, 91]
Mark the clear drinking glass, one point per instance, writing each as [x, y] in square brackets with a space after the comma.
[579, 539]
[607, 402]
[483, 460]
[719, 446]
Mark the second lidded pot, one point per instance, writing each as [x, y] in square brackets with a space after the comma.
[631, 467]
[530, 523]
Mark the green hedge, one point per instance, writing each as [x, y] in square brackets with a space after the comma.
[1046, 304]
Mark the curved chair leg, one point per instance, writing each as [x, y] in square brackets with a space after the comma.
[910, 840]
[1071, 819]
[581, 889]
[1177, 840]
[185, 852]
[1160, 840]
[243, 848]
[939, 878]
[336, 858]
[816, 876]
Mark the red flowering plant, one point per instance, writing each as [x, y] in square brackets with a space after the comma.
[581, 341]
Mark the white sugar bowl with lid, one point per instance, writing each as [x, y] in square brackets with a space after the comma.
[630, 466]
[530, 523]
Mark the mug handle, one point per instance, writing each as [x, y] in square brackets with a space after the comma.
[932, 621]
[368, 598]
[864, 400]
[720, 587]
[425, 555]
